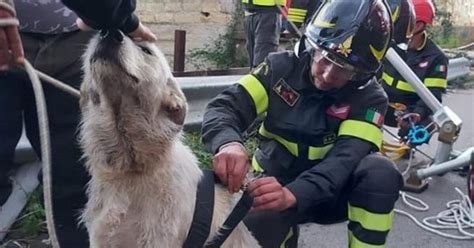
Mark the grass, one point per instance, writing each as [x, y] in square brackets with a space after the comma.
[31, 225]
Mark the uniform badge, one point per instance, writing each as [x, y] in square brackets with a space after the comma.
[373, 115]
[289, 95]
[423, 64]
[340, 111]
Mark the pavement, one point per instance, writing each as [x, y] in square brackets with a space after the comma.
[405, 233]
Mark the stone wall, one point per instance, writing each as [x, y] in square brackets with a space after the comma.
[203, 21]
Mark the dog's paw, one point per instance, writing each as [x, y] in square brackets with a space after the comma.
[175, 103]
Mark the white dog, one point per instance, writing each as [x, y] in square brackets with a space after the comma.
[144, 180]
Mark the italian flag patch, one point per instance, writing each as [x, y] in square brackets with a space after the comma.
[440, 68]
[372, 115]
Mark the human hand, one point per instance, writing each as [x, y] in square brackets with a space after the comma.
[269, 194]
[404, 120]
[231, 164]
[11, 48]
[142, 33]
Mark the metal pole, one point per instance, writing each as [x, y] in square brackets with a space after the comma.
[413, 80]
[461, 161]
[179, 50]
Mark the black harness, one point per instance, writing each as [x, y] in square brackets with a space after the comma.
[202, 218]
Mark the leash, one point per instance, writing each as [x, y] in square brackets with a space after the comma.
[203, 212]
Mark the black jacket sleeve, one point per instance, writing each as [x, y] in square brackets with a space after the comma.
[106, 14]
[229, 114]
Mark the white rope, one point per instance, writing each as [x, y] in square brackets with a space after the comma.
[45, 150]
[43, 125]
[459, 216]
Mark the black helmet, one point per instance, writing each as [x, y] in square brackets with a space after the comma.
[403, 18]
[356, 31]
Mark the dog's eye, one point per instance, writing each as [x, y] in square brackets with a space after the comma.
[146, 50]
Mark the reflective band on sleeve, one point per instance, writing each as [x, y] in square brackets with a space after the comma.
[356, 243]
[290, 146]
[256, 91]
[401, 85]
[436, 82]
[255, 166]
[371, 221]
[362, 130]
[296, 15]
[315, 153]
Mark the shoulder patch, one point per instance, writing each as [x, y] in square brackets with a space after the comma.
[340, 111]
[285, 92]
[373, 115]
[440, 68]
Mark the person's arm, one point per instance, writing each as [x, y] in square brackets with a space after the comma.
[358, 136]
[10, 41]
[436, 81]
[227, 116]
[106, 14]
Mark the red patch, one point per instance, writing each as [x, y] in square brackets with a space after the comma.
[340, 111]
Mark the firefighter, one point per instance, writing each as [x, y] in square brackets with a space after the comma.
[319, 141]
[428, 62]
[262, 24]
[300, 12]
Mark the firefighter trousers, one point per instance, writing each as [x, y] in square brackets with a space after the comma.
[366, 202]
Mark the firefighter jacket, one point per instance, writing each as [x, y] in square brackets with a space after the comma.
[301, 11]
[430, 64]
[310, 140]
[262, 5]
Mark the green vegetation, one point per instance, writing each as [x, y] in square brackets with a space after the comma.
[31, 224]
[223, 53]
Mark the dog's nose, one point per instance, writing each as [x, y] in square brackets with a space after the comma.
[113, 35]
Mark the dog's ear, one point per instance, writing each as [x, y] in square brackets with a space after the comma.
[175, 102]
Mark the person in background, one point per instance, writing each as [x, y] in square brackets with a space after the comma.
[262, 28]
[319, 140]
[428, 62]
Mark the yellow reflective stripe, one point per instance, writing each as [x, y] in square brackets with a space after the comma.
[288, 236]
[401, 85]
[318, 152]
[356, 243]
[255, 166]
[256, 91]
[297, 11]
[387, 78]
[371, 221]
[290, 146]
[266, 2]
[436, 82]
[295, 19]
[362, 130]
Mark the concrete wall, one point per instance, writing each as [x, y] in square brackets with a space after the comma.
[462, 11]
[203, 21]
